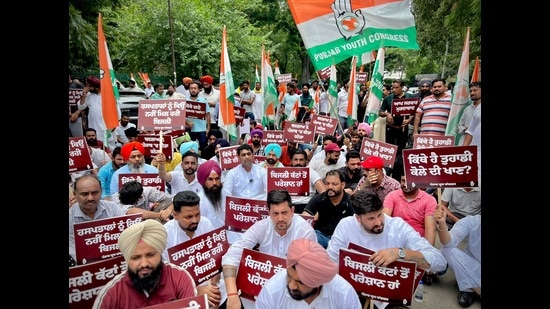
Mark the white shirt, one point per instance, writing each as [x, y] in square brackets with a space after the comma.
[342, 103]
[263, 233]
[119, 131]
[176, 235]
[240, 183]
[322, 168]
[180, 183]
[337, 293]
[397, 234]
[213, 99]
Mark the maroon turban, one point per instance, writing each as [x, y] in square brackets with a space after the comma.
[93, 81]
[127, 149]
[205, 169]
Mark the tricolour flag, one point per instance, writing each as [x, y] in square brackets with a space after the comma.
[352, 93]
[109, 106]
[476, 75]
[333, 93]
[461, 91]
[269, 91]
[334, 31]
[257, 77]
[294, 113]
[367, 58]
[376, 85]
[226, 118]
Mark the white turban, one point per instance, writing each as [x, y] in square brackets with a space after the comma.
[151, 232]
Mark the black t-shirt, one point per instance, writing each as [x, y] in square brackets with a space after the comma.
[329, 214]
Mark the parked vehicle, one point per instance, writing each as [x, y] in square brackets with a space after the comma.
[129, 102]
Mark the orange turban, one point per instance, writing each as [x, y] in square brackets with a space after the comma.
[207, 79]
[311, 261]
[187, 80]
[127, 149]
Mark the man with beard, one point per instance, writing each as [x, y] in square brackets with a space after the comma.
[184, 179]
[375, 178]
[172, 94]
[199, 127]
[353, 172]
[417, 208]
[330, 207]
[257, 148]
[123, 125]
[247, 179]
[91, 138]
[272, 235]
[272, 154]
[332, 160]
[133, 153]
[147, 280]
[212, 96]
[187, 224]
[211, 200]
[87, 191]
[433, 111]
[184, 87]
[391, 238]
[310, 279]
[106, 172]
[209, 151]
[316, 185]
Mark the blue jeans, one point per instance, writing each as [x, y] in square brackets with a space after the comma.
[322, 239]
[249, 115]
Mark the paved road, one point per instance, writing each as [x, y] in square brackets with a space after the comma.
[442, 293]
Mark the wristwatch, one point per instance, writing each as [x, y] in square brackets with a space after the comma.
[401, 253]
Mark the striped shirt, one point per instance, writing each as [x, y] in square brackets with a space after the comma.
[435, 114]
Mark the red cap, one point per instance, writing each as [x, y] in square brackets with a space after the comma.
[373, 162]
[332, 147]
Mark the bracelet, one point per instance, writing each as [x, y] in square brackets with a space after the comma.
[437, 227]
[232, 294]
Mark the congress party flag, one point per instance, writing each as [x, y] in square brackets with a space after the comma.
[461, 91]
[352, 93]
[269, 91]
[109, 107]
[295, 110]
[333, 93]
[226, 119]
[376, 84]
[336, 30]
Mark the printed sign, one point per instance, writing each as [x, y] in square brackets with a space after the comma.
[432, 141]
[295, 180]
[195, 302]
[85, 281]
[255, 269]
[273, 137]
[202, 255]
[195, 110]
[284, 78]
[393, 283]
[323, 124]
[161, 114]
[298, 132]
[361, 77]
[441, 167]
[74, 97]
[239, 114]
[145, 179]
[98, 239]
[228, 157]
[79, 155]
[241, 213]
[151, 145]
[404, 107]
[372, 147]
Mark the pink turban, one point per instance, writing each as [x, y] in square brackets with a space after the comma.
[205, 169]
[365, 126]
[312, 262]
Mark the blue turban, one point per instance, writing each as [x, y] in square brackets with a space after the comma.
[276, 149]
[185, 147]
